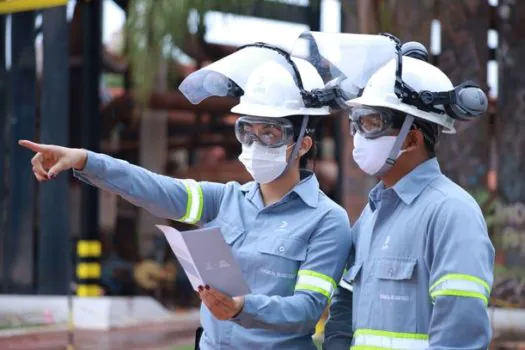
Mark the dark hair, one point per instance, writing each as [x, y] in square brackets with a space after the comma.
[431, 131]
[310, 131]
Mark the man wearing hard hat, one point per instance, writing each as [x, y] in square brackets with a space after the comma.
[422, 268]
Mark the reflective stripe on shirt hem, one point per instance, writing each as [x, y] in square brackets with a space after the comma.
[462, 286]
[316, 282]
[195, 202]
[370, 339]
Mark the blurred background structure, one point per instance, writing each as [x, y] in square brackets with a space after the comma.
[103, 74]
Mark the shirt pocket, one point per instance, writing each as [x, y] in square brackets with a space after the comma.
[394, 288]
[279, 260]
[231, 232]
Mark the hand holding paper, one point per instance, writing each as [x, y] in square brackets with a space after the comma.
[220, 305]
[207, 259]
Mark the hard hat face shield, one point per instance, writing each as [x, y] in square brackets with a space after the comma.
[344, 61]
[269, 132]
[229, 75]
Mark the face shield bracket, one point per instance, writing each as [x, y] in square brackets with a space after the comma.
[465, 102]
[333, 97]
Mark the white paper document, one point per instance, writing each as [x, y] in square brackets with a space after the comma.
[207, 259]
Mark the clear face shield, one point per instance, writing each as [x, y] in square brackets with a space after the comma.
[269, 132]
[344, 61]
[229, 75]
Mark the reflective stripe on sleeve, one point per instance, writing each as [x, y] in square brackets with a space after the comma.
[315, 282]
[370, 339]
[194, 204]
[462, 286]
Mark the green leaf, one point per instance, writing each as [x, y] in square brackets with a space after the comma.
[155, 28]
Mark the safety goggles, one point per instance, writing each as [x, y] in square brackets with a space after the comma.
[373, 122]
[269, 132]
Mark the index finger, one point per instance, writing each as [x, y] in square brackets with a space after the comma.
[33, 146]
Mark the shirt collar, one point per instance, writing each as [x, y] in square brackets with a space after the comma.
[410, 186]
[307, 189]
[250, 189]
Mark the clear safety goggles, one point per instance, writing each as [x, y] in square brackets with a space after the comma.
[372, 122]
[269, 132]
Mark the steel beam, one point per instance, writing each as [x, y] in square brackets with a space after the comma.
[54, 248]
[3, 137]
[88, 247]
[19, 242]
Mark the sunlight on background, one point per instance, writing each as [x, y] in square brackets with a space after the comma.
[238, 30]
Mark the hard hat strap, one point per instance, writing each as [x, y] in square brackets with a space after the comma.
[391, 160]
[285, 54]
[297, 145]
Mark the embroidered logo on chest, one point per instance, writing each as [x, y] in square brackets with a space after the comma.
[283, 226]
[386, 244]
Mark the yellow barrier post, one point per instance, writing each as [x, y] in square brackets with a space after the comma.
[88, 268]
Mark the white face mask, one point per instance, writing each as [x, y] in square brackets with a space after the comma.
[263, 163]
[371, 154]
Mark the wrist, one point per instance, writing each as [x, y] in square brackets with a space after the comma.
[240, 306]
[82, 159]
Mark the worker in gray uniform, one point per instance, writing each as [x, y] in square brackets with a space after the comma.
[421, 273]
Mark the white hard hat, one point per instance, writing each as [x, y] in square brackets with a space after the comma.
[271, 91]
[420, 76]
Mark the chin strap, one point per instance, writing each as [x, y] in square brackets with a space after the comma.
[297, 145]
[392, 157]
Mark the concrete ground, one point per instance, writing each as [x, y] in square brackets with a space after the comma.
[165, 336]
[172, 335]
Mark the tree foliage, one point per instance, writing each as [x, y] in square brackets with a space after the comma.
[155, 28]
